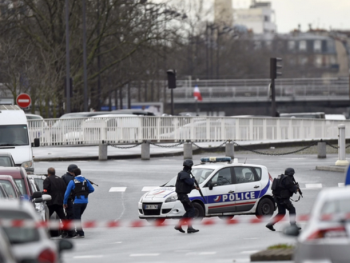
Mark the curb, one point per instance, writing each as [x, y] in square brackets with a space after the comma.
[332, 168]
[273, 255]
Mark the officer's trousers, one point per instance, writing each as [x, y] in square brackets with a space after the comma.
[189, 208]
[282, 206]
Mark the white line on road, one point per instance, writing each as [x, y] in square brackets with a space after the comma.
[89, 256]
[144, 255]
[313, 186]
[341, 184]
[117, 189]
[200, 253]
[249, 251]
[148, 188]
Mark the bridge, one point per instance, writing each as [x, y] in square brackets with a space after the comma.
[252, 96]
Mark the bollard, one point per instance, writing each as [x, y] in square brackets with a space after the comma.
[102, 152]
[341, 146]
[321, 149]
[230, 150]
[188, 150]
[145, 151]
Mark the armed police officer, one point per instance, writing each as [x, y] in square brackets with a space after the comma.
[184, 185]
[67, 177]
[284, 191]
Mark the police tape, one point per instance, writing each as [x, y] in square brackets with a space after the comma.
[73, 224]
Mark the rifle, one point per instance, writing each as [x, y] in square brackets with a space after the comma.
[196, 183]
[91, 182]
[297, 185]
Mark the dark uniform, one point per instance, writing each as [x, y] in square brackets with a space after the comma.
[184, 186]
[288, 188]
[55, 186]
[67, 177]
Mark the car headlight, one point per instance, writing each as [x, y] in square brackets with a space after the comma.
[171, 198]
[27, 164]
[142, 198]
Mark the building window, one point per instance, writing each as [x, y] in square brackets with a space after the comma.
[317, 45]
[302, 45]
[303, 61]
[291, 45]
[266, 18]
[257, 45]
[318, 61]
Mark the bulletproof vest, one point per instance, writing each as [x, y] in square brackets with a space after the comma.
[279, 188]
[180, 186]
[80, 189]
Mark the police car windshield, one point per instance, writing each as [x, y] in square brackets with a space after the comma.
[201, 174]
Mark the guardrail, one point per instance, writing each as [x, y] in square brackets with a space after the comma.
[126, 130]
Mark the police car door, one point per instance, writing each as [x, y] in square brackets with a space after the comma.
[247, 186]
[220, 196]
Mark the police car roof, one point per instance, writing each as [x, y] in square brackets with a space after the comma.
[219, 164]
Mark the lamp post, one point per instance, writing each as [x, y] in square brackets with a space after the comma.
[84, 58]
[67, 60]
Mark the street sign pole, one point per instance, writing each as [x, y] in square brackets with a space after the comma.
[172, 102]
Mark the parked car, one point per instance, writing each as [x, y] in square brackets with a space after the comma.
[229, 188]
[3, 193]
[30, 243]
[20, 177]
[134, 112]
[10, 187]
[6, 254]
[326, 237]
[6, 160]
[40, 207]
[38, 179]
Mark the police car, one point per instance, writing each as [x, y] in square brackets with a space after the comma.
[229, 188]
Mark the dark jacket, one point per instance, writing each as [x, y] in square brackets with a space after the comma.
[289, 186]
[56, 187]
[184, 182]
[67, 177]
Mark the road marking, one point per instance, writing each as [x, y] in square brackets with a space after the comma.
[200, 253]
[341, 184]
[148, 188]
[119, 242]
[89, 256]
[249, 251]
[144, 255]
[117, 189]
[313, 186]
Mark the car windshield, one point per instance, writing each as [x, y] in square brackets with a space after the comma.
[13, 135]
[2, 195]
[21, 186]
[39, 183]
[19, 235]
[199, 173]
[5, 161]
[8, 188]
[339, 206]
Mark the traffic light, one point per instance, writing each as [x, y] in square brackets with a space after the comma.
[171, 78]
[275, 65]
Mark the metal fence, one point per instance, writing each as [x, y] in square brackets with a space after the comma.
[121, 130]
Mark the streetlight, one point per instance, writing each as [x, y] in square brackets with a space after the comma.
[67, 61]
[84, 57]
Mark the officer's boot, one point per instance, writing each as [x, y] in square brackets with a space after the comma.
[270, 226]
[190, 229]
[179, 227]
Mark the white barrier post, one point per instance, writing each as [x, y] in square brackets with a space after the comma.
[230, 149]
[341, 146]
[321, 149]
[102, 151]
[188, 150]
[145, 151]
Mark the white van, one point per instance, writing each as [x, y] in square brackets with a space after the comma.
[14, 137]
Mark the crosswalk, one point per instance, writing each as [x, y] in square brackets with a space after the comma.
[150, 188]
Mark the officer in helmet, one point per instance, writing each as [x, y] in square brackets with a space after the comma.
[67, 177]
[286, 188]
[184, 185]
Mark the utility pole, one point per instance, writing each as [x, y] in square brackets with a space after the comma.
[84, 58]
[68, 110]
[172, 85]
[274, 73]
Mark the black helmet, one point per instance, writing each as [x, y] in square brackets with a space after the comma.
[289, 171]
[72, 167]
[188, 163]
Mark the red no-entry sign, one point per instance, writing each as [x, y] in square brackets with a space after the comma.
[23, 100]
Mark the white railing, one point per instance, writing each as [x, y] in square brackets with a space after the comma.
[118, 130]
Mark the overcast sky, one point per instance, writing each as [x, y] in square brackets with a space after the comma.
[326, 14]
[320, 13]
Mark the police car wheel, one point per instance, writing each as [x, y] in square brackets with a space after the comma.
[265, 207]
[226, 217]
[199, 211]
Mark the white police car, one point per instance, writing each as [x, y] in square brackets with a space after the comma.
[229, 188]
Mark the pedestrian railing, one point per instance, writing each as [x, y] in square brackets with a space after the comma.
[123, 130]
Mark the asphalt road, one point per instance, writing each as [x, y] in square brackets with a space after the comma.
[217, 243]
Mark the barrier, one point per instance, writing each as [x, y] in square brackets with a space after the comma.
[72, 224]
